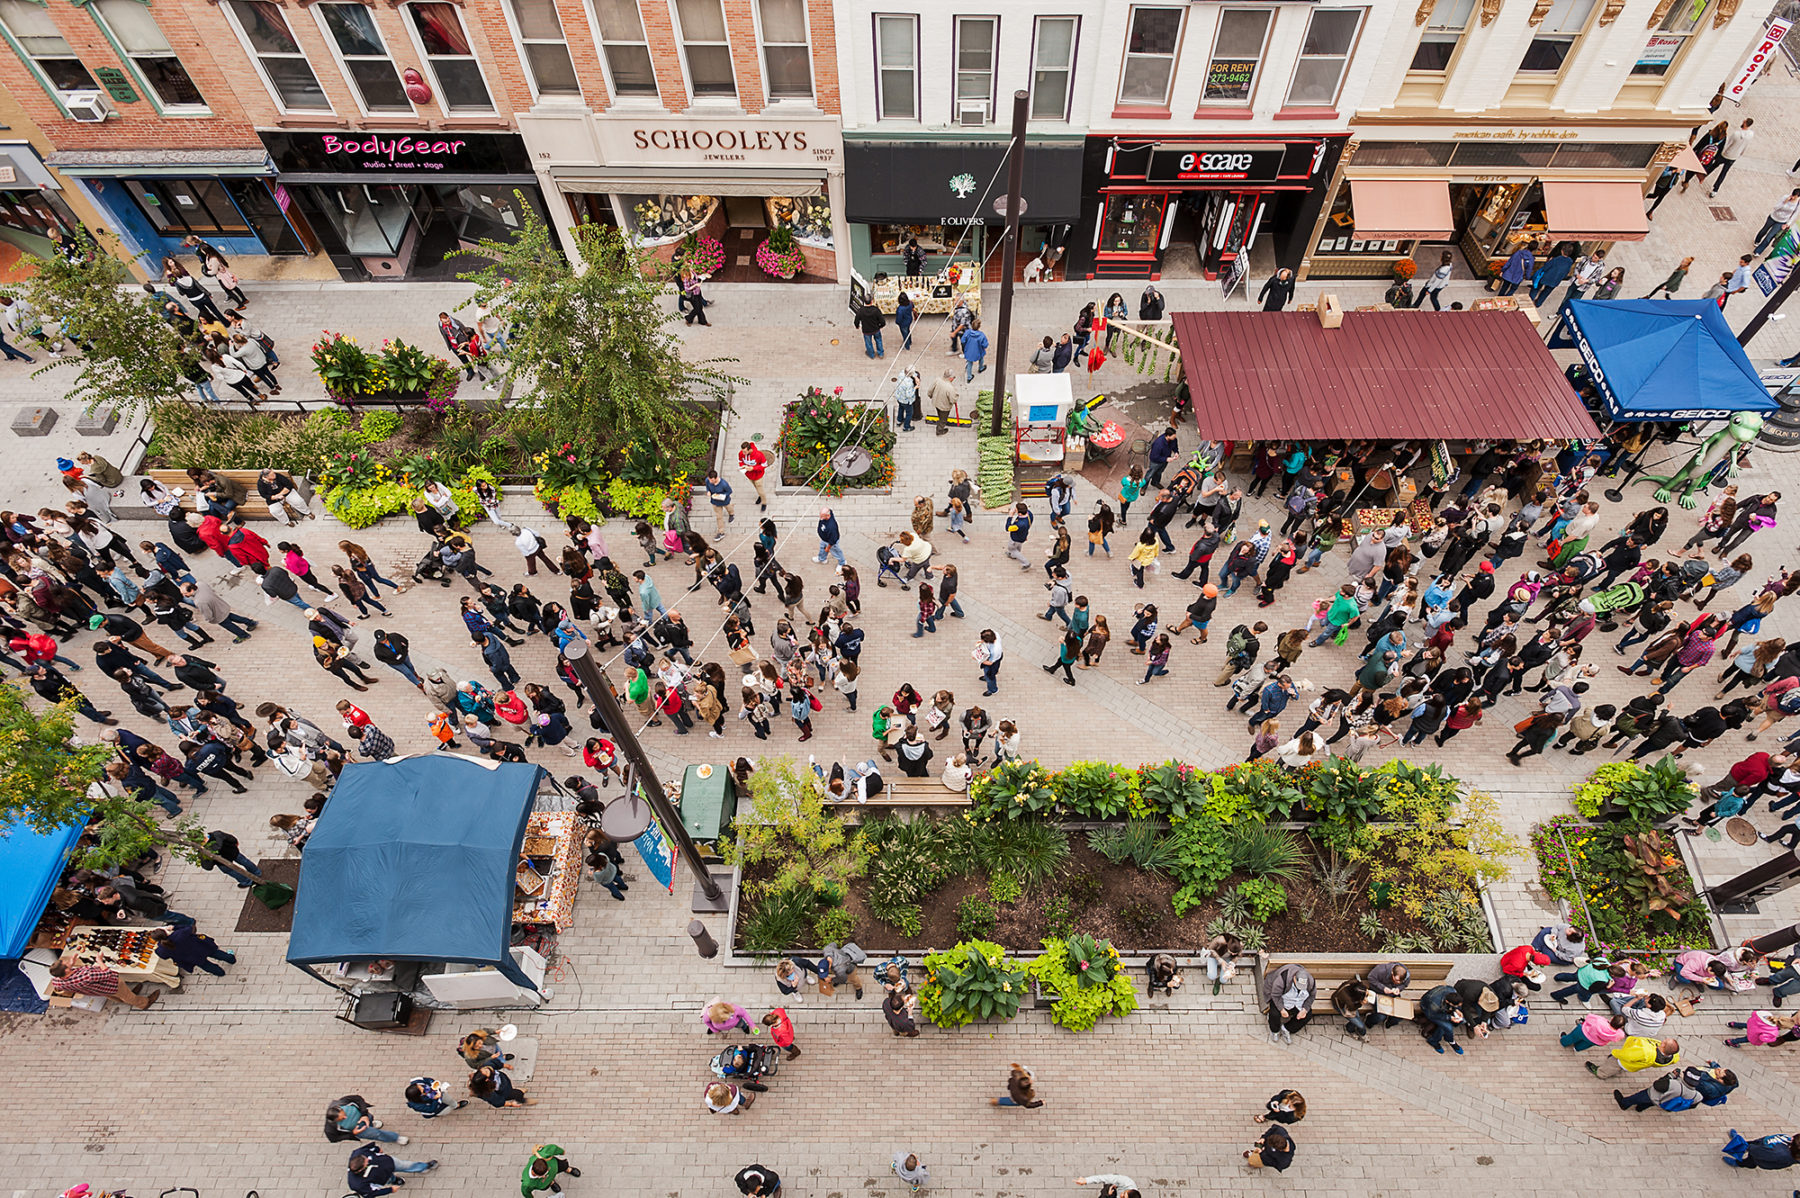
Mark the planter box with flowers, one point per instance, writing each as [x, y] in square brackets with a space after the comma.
[398, 373]
[817, 425]
[779, 254]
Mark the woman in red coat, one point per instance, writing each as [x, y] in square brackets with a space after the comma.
[213, 533]
[246, 547]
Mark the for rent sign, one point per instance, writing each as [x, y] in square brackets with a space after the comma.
[1760, 56]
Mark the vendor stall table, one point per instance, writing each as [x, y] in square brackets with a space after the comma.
[549, 870]
[128, 952]
[931, 293]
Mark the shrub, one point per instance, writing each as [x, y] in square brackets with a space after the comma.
[1265, 788]
[1264, 852]
[1266, 896]
[1031, 850]
[974, 980]
[1139, 841]
[788, 826]
[1004, 887]
[1096, 789]
[1080, 999]
[779, 919]
[1016, 789]
[1059, 916]
[359, 507]
[975, 918]
[835, 926]
[378, 426]
[1413, 860]
[1340, 791]
[1641, 794]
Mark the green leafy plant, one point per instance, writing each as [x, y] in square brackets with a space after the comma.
[815, 426]
[344, 368]
[1266, 896]
[1004, 886]
[975, 918]
[1096, 789]
[1460, 848]
[1265, 852]
[567, 466]
[974, 980]
[1657, 880]
[1457, 922]
[834, 926]
[1059, 916]
[1082, 996]
[778, 920]
[1340, 791]
[1237, 907]
[788, 827]
[360, 507]
[906, 918]
[407, 369]
[1172, 789]
[1649, 794]
[1264, 788]
[378, 425]
[1015, 789]
[1138, 841]
[1031, 850]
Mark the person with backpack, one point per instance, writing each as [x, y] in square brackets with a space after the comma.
[1683, 1089]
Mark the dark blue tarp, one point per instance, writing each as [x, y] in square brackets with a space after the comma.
[30, 864]
[1662, 359]
[415, 860]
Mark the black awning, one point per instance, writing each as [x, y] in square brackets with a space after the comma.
[943, 182]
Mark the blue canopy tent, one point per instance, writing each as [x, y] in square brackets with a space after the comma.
[31, 863]
[1662, 359]
[415, 860]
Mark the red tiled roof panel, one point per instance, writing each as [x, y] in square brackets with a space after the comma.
[1383, 375]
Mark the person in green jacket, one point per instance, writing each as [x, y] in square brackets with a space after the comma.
[542, 1170]
[878, 728]
[1594, 977]
[1342, 611]
[637, 689]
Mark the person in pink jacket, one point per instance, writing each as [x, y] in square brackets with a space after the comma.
[720, 1017]
[1595, 1031]
[1766, 1027]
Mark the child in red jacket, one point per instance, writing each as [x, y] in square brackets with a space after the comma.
[1524, 963]
[781, 1030]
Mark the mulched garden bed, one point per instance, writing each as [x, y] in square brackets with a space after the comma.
[1131, 908]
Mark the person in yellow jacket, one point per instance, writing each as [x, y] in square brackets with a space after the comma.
[1640, 1052]
[1143, 555]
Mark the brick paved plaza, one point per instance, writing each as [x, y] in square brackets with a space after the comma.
[222, 1086]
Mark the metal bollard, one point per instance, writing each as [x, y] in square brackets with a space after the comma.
[709, 948]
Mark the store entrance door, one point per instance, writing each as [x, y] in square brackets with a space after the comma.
[1224, 226]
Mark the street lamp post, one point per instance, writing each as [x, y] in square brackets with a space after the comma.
[708, 894]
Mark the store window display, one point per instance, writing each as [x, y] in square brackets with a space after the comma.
[661, 219]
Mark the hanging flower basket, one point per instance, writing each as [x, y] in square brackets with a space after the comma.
[779, 256]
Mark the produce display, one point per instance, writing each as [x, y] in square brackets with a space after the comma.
[994, 471]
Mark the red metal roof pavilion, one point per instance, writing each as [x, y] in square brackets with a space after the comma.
[1388, 376]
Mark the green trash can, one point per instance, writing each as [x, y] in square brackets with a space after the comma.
[708, 805]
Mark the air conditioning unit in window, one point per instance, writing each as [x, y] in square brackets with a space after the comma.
[973, 112]
[89, 107]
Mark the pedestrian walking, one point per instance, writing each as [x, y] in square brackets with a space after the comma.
[1736, 142]
[758, 1181]
[541, 1172]
[781, 1031]
[870, 322]
[1779, 218]
[190, 949]
[373, 1173]
[1021, 1089]
[910, 1169]
[1672, 284]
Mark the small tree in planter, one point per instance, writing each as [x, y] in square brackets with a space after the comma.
[779, 255]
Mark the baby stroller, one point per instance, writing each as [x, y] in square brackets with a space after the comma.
[431, 566]
[747, 1062]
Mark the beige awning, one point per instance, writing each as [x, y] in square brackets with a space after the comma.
[1596, 211]
[1401, 209]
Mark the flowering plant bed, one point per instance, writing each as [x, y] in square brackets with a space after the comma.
[349, 373]
[816, 426]
[779, 255]
[701, 253]
[1626, 879]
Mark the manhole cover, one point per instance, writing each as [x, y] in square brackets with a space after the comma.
[1741, 830]
[1721, 214]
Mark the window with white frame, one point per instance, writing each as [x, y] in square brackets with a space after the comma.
[1237, 56]
[365, 57]
[705, 47]
[976, 39]
[1052, 67]
[897, 67]
[546, 49]
[1667, 39]
[1324, 55]
[787, 53]
[286, 72]
[439, 28]
[627, 53]
[1555, 36]
[1150, 44]
[1443, 32]
[37, 37]
[141, 42]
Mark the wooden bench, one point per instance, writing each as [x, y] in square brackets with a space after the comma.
[1329, 971]
[908, 792]
[253, 507]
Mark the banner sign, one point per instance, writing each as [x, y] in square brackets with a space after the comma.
[1759, 58]
[658, 855]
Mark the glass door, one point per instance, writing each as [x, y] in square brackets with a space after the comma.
[1132, 224]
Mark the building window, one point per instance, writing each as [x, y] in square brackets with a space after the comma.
[177, 207]
[1442, 34]
[446, 46]
[1667, 39]
[622, 41]
[1237, 55]
[140, 42]
[37, 38]
[289, 77]
[704, 46]
[1052, 67]
[975, 50]
[1555, 36]
[1330, 36]
[1150, 44]
[897, 67]
[365, 57]
[546, 50]
[787, 56]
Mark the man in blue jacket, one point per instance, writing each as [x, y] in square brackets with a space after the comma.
[828, 537]
[372, 1171]
[974, 349]
[1163, 446]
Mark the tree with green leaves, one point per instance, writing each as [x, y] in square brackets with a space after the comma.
[593, 339]
[47, 782]
[124, 354]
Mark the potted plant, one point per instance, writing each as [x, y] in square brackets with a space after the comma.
[779, 255]
[1404, 270]
[701, 253]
